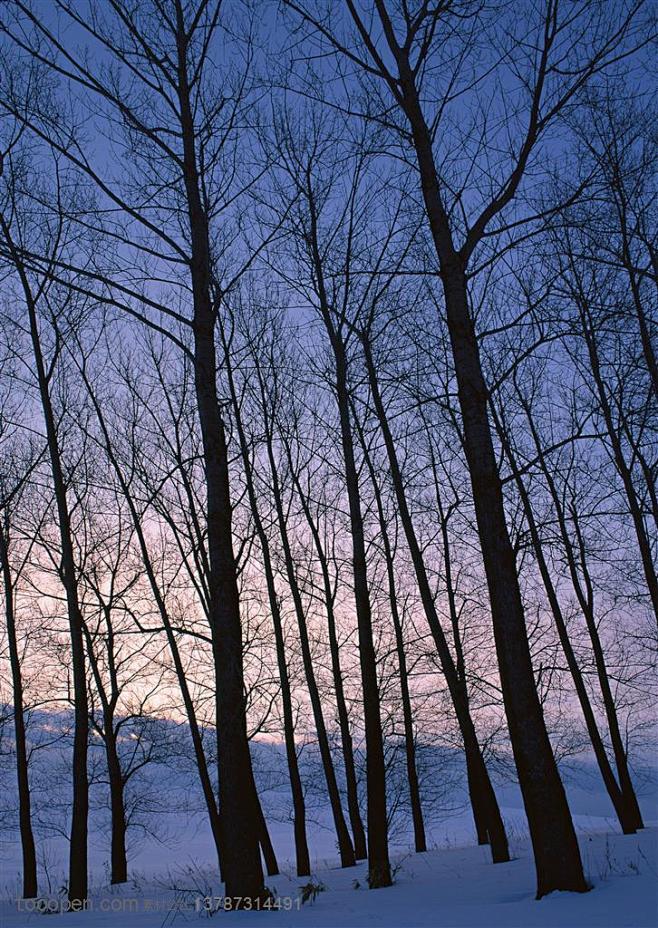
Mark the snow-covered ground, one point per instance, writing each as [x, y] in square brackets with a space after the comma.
[455, 886]
[173, 870]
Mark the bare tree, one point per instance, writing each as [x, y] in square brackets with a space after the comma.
[299, 809]
[44, 303]
[420, 840]
[121, 662]
[312, 520]
[138, 494]
[270, 390]
[396, 50]
[309, 222]
[623, 795]
[582, 288]
[485, 805]
[19, 460]
[173, 111]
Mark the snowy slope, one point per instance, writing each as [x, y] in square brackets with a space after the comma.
[453, 887]
[454, 884]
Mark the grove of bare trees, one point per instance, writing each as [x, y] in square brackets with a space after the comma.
[329, 413]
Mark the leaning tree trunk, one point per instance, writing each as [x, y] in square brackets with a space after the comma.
[379, 869]
[420, 841]
[302, 856]
[188, 702]
[623, 469]
[485, 806]
[77, 886]
[643, 323]
[345, 848]
[478, 789]
[239, 819]
[585, 596]
[358, 832]
[626, 820]
[557, 856]
[632, 808]
[265, 839]
[116, 781]
[22, 773]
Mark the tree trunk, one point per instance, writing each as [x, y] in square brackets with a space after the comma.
[618, 453]
[629, 267]
[299, 810]
[239, 825]
[379, 869]
[119, 864]
[478, 801]
[358, 832]
[302, 857]
[266, 846]
[486, 811]
[77, 885]
[420, 841]
[557, 856]
[77, 888]
[345, 848]
[477, 789]
[188, 702]
[630, 810]
[625, 820]
[22, 773]
[238, 807]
